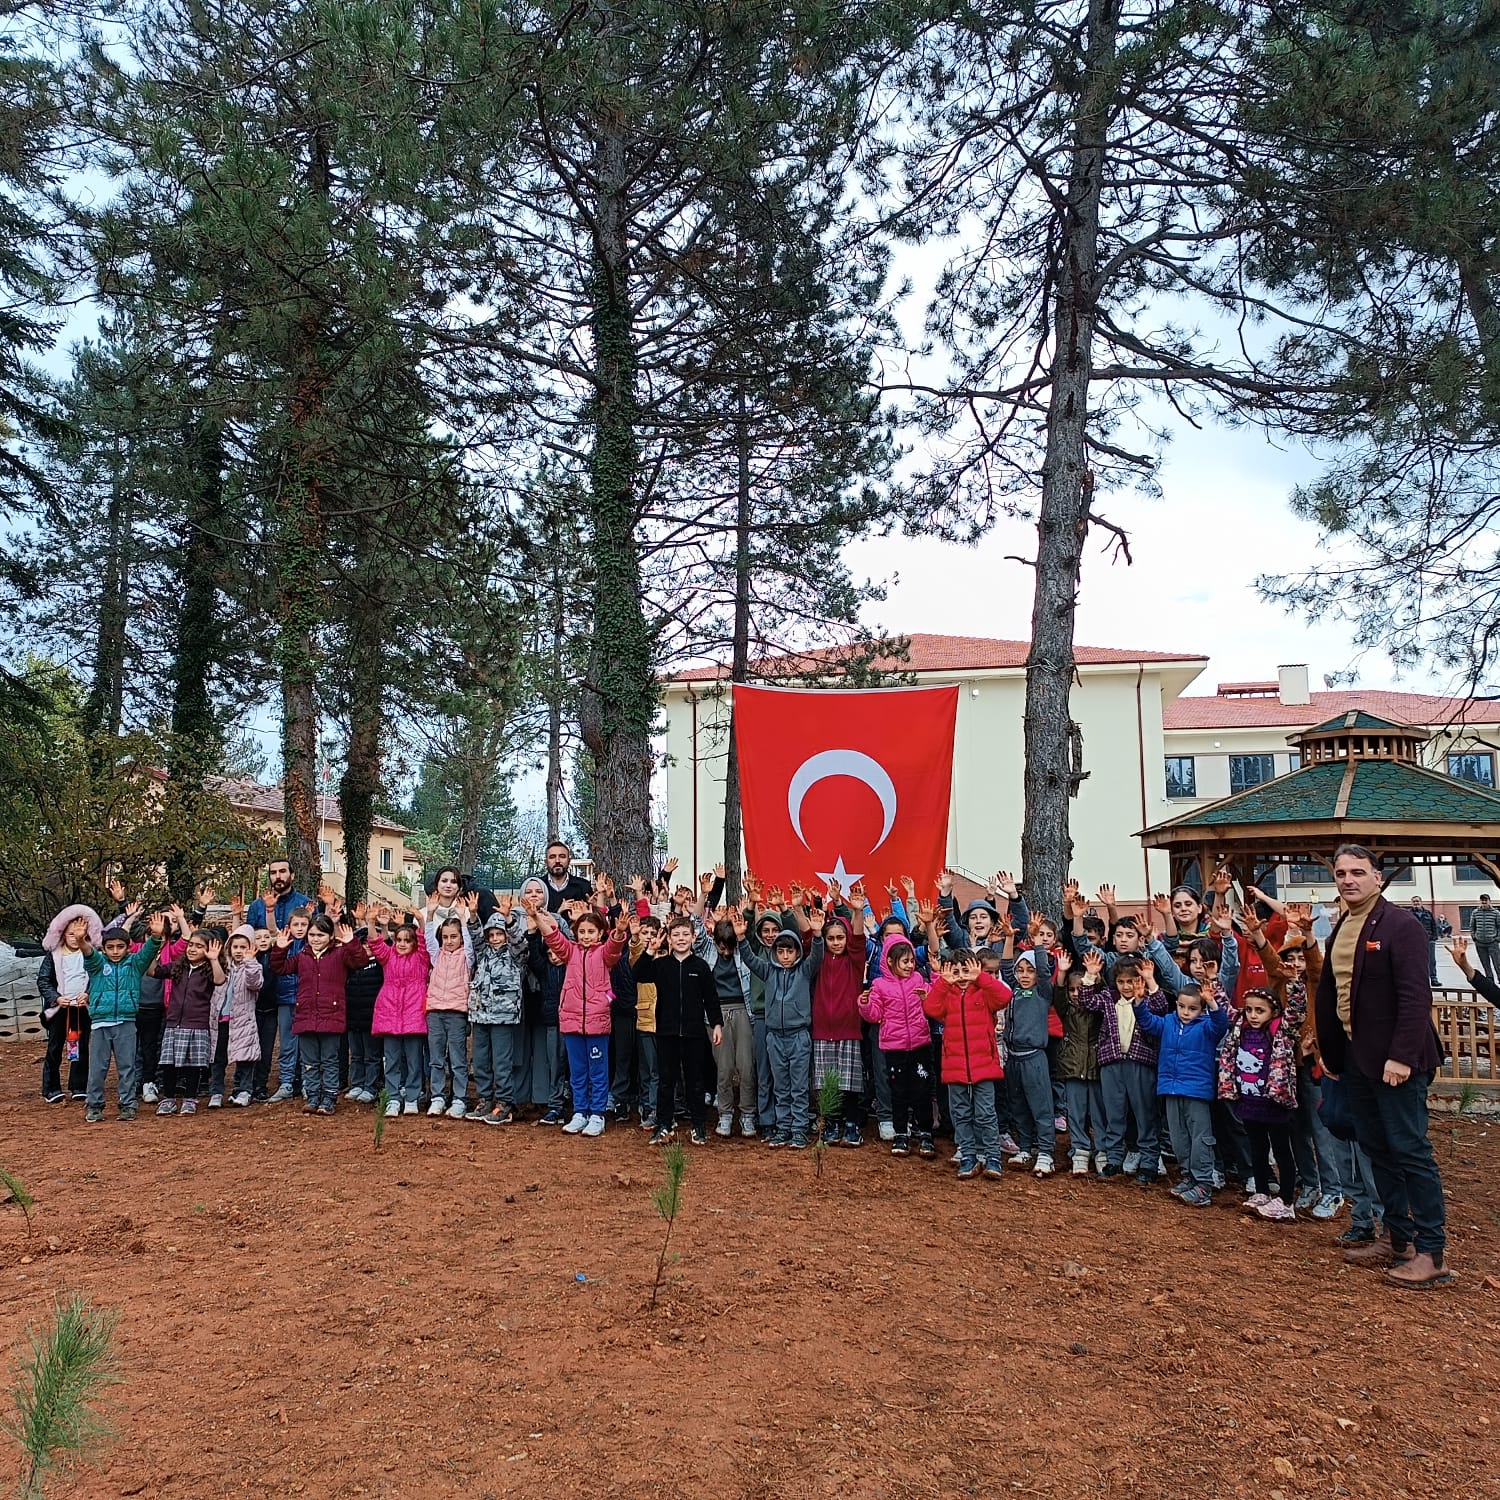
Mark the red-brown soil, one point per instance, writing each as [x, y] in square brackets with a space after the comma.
[301, 1315]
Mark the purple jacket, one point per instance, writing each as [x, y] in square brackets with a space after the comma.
[1142, 1047]
[1390, 999]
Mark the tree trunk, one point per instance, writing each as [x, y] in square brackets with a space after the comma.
[360, 783]
[1051, 776]
[104, 709]
[619, 697]
[739, 665]
[555, 685]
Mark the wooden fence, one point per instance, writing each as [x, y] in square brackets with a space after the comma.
[1469, 1031]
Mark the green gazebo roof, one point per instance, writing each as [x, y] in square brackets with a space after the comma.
[1357, 718]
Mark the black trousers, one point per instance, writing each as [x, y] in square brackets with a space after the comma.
[1264, 1141]
[148, 1028]
[57, 1048]
[265, 1029]
[911, 1090]
[180, 1081]
[679, 1057]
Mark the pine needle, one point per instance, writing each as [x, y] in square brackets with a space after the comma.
[380, 1104]
[17, 1194]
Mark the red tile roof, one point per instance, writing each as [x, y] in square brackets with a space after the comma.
[934, 653]
[1256, 713]
[251, 796]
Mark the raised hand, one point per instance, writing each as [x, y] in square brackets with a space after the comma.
[1148, 972]
[361, 910]
[532, 903]
[237, 907]
[1222, 881]
[857, 894]
[505, 904]
[1251, 918]
[1062, 963]
[214, 947]
[720, 872]
[157, 926]
[383, 913]
[334, 905]
[776, 897]
[1223, 919]
[799, 896]
[604, 888]
[116, 888]
[1107, 894]
[1299, 914]
[343, 932]
[910, 887]
[945, 883]
[754, 890]
[741, 927]
[133, 909]
[1458, 948]
[926, 911]
[670, 867]
[637, 884]
[1007, 883]
[1093, 964]
[815, 919]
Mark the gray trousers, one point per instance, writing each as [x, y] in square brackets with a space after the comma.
[1129, 1088]
[736, 1054]
[880, 1075]
[116, 1042]
[320, 1066]
[1083, 1100]
[1031, 1088]
[1191, 1124]
[448, 1048]
[403, 1067]
[790, 1054]
[494, 1061]
[765, 1089]
[976, 1127]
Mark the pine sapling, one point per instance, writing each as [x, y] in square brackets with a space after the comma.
[380, 1107]
[830, 1102]
[16, 1193]
[71, 1361]
[667, 1199]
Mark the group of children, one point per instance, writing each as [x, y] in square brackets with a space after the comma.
[1179, 1032]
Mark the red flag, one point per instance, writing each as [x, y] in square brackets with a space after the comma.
[845, 784]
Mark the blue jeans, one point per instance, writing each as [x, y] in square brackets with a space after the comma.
[1392, 1130]
[364, 1061]
[1083, 1100]
[976, 1129]
[790, 1057]
[320, 1066]
[1365, 1207]
[1313, 1144]
[645, 1051]
[116, 1042]
[287, 1051]
[588, 1066]
[1129, 1088]
[403, 1067]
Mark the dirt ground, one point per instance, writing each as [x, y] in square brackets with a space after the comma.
[300, 1314]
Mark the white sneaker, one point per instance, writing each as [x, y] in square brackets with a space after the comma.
[148, 1093]
[1081, 1164]
[437, 1106]
[887, 1130]
[457, 1110]
[1021, 1159]
[1043, 1167]
[394, 1108]
[575, 1125]
[281, 1095]
[747, 1126]
[216, 1101]
[725, 1125]
[409, 1108]
[1101, 1161]
[356, 1093]
[241, 1100]
[1132, 1163]
[595, 1125]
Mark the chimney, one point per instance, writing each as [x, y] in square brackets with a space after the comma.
[1293, 685]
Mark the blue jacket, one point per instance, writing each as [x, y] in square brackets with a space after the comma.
[284, 907]
[1186, 1064]
[115, 988]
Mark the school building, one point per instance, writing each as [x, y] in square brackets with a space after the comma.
[1151, 750]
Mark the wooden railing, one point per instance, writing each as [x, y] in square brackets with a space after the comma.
[1468, 1031]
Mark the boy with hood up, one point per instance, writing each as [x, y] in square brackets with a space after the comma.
[1027, 1029]
[495, 1008]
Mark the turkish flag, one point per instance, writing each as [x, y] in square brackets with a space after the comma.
[845, 784]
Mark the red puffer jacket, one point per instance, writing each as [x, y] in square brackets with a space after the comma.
[321, 1005]
[967, 1012]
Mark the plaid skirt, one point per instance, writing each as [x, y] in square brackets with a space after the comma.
[842, 1060]
[183, 1047]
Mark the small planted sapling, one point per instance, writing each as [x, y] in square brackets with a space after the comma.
[667, 1200]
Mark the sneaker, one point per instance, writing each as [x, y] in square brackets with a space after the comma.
[595, 1125]
[1132, 1163]
[260, 1096]
[324, 1109]
[189, 1107]
[1218, 1180]
[1008, 1145]
[392, 1109]
[833, 1132]
[779, 1139]
[1356, 1234]
[747, 1127]
[900, 1146]
[887, 1130]
[281, 1095]
[167, 1107]
[799, 1141]
[241, 1100]
[925, 1148]
[149, 1094]
[968, 1169]
[410, 1107]
[1060, 1124]
[1277, 1211]
[127, 1114]
[576, 1124]
[356, 1093]
[1147, 1177]
[92, 1116]
[1109, 1169]
[648, 1122]
[437, 1106]
[660, 1137]
[1255, 1201]
[553, 1116]
[700, 1137]
[725, 1127]
[1197, 1197]
[501, 1114]
[457, 1110]
[1100, 1162]
[853, 1136]
[1181, 1189]
[216, 1101]
[1328, 1206]
[1021, 1159]
[992, 1171]
[1307, 1198]
[55, 1098]
[1081, 1164]
[1043, 1167]
[310, 1108]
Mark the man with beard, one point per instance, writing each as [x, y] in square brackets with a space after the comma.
[562, 886]
[286, 899]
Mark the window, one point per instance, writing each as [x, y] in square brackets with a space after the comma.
[1294, 761]
[1477, 766]
[1182, 776]
[385, 859]
[1316, 873]
[1246, 771]
[1399, 875]
[1466, 870]
[325, 855]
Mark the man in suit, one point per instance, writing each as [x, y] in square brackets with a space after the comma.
[1375, 1032]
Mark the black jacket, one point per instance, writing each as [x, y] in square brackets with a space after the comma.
[687, 999]
[547, 976]
[361, 989]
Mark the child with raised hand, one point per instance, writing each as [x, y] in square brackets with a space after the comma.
[114, 997]
[1078, 1067]
[687, 1002]
[186, 1041]
[452, 953]
[1028, 1022]
[63, 981]
[584, 1007]
[400, 1019]
[966, 1000]
[1186, 1078]
[788, 975]
[894, 1002]
[1258, 1071]
[836, 1026]
[495, 1009]
[239, 1037]
[322, 969]
[646, 938]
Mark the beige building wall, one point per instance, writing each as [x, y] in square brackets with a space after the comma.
[1119, 708]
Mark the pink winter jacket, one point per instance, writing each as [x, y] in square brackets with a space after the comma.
[897, 1004]
[401, 1005]
[587, 991]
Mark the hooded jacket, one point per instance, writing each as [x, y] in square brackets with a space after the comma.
[971, 1053]
[788, 987]
[496, 983]
[362, 990]
[401, 1006]
[1028, 1022]
[587, 994]
[115, 988]
[835, 1012]
[548, 978]
[895, 1005]
[321, 1004]
[1186, 1050]
[235, 999]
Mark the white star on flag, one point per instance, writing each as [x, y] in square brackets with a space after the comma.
[839, 874]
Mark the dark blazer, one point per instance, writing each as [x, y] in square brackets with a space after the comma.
[1390, 1003]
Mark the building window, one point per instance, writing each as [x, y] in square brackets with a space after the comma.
[1467, 871]
[385, 859]
[1246, 771]
[1182, 776]
[1399, 875]
[1477, 766]
[325, 854]
[1316, 873]
[1294, 761]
